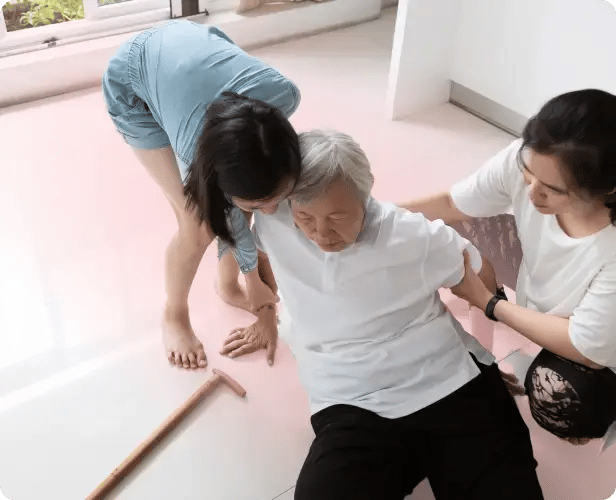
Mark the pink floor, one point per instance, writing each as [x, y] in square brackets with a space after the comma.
[82, 234]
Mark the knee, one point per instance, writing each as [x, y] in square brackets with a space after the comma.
[566, 402]
[194, 234]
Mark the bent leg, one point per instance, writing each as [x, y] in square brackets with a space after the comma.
[570, 400]
[480, 446]
[251, 295]
[182, 259]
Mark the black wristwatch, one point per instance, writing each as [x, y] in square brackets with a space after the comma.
[500, 295]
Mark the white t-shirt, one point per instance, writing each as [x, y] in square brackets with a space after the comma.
[368, 326]
[570, 277]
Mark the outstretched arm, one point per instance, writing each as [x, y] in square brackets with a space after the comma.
[438, 206]
[550, 332]
[250, 261]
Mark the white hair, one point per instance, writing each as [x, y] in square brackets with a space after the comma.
[328, 155]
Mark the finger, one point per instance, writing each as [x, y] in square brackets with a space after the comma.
[193, 360]
[201, 358]
[271, 352]
[246, 349]
[235, 331]
[235, 336]
[232, 346]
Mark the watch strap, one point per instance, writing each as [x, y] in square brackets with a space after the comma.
[500, 295]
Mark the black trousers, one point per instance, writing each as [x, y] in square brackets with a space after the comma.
[473, 444]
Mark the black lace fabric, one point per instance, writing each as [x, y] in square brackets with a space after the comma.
[568, 399]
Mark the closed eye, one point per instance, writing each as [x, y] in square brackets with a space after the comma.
[526, 170]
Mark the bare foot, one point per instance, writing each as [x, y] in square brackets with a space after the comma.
[235, 295]
[181, 344]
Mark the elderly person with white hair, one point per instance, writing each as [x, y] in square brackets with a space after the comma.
[398, 390]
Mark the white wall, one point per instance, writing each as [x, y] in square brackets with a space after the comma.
[521, 53]
[421, 55]
[66, 68]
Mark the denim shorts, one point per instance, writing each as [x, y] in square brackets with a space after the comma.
[157, 88]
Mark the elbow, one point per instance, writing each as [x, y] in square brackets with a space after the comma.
[453, 215]
[591, 364]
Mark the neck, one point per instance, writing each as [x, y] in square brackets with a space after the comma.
[578, 225]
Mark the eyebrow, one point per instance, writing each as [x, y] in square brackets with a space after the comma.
[560, 190]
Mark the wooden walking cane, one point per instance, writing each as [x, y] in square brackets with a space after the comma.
[165, 428]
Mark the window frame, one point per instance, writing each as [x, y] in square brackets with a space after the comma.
[98, 22]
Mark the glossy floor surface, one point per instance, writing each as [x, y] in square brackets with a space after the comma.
[83, 229]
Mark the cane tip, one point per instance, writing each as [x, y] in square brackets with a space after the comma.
[237, 388]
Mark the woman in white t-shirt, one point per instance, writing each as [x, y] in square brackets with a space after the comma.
[559, 181]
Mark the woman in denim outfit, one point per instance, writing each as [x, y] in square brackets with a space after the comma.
[210, 124]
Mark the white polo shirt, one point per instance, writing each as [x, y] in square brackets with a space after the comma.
[368, 326]
[573, 278]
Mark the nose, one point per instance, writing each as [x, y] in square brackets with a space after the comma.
[536, 192]
[322, 228]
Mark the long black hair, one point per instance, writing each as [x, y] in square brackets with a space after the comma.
[579, 129]
[247, 149]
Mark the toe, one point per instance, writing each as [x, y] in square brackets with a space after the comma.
[178, 359]
[185, 361]
[193, 360]
[201, 359]
[170, 357]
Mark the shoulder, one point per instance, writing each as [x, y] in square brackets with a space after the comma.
[607, 272]
[399, 227]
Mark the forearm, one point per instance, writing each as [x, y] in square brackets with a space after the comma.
[255, 285]
[438, 206]
[266, 313]
[487, 275]
[550, 332]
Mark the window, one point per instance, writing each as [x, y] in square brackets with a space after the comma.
[27, 25]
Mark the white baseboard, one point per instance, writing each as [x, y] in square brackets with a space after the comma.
[488, 110]
[62, 69]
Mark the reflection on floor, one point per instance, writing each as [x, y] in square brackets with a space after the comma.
[82, 234]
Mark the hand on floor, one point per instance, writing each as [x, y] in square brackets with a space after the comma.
[259, 335]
